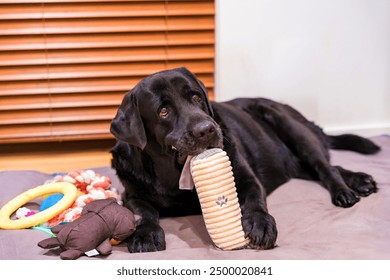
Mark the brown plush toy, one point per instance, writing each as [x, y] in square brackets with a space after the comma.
[100, 221]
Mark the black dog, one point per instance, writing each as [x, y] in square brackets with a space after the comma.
[167, 117]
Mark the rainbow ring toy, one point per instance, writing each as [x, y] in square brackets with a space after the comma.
[67, 189]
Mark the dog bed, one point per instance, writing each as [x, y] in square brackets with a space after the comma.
[309, 226]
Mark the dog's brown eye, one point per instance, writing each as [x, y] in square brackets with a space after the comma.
[163, 112]
[196, 98]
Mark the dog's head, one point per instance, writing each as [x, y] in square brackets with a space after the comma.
[168, 110]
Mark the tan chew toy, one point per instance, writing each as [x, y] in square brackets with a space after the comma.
[214, 183]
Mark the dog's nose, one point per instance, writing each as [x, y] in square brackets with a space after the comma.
[203, 129]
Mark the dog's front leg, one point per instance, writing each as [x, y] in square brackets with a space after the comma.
[148, 235]
[259, 226]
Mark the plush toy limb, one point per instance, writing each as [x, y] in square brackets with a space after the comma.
[49, 243]
[105, 247]
[58, 228]
[71, 254]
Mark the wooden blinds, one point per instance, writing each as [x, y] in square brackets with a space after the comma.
[65, 64]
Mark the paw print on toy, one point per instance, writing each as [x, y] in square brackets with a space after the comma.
[222, 200]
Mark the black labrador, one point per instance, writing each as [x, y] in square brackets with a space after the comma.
[167, 116]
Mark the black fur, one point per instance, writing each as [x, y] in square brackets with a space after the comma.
[167, 117]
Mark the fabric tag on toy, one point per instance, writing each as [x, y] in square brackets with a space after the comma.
[92, 253]
[186, 182]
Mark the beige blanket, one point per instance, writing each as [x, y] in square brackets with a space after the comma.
[310, 227]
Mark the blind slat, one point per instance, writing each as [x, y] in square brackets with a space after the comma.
[85, 1]
[103, 10]
[109, 40]
[22, 102]
[71, 86]
[74, 114]
[95, 71]
[105, 55]
[103, 25]
[58, 131]
[16, 103]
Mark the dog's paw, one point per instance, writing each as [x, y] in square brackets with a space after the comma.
[345, 198]
[363, 184]
[147, 237]
[260, 228]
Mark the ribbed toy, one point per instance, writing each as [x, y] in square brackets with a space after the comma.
[214, 183]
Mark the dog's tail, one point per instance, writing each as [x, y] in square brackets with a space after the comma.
[354, 143]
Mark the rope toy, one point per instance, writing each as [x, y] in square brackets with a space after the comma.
[91, 186]
[69, 191]
[84, 180]
[214, 183]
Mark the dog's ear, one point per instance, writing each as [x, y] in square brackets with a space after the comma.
[127, 124]
[189, 74]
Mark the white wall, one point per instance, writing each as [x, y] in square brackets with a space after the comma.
[330, 59]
